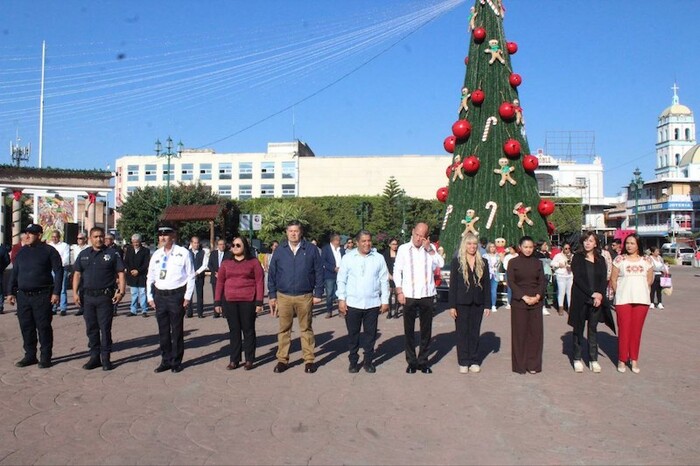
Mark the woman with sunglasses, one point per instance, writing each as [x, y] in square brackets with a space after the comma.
[239, 295]
[561, 264]
[390, 259]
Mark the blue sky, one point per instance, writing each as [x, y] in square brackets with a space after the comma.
[364, 77]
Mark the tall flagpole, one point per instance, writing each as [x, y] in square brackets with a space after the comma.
[41, 103]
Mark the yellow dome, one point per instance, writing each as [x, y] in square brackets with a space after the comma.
[691, 157]
[676, 109]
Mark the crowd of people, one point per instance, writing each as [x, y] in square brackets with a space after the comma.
[590, 283]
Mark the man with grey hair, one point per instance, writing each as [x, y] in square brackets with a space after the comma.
[331, 255]
[136, 262]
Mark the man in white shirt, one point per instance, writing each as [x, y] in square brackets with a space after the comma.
[169, 288]
[414, 270]
[75, 249]
[200, 261]
[64, 251]
[331, 255]
[363, 294]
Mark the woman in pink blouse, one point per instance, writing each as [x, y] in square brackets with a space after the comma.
[239, 295]
[631, 278]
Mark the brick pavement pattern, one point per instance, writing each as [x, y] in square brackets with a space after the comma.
[208, 415]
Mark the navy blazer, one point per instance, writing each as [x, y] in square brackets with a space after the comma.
[328, 260]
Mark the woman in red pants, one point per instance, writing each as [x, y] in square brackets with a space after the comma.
[631, 279]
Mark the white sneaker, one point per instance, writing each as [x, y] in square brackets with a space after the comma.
[463, 369]
[595, 367]
[651, 306]
[507, 306]
[660, 306]
[494, 309]
[475, 368]
[578, 366]
[545, 312]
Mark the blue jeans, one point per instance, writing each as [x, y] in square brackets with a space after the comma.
[494, 291]
[138, 299]
[63, 304]
[331, 287]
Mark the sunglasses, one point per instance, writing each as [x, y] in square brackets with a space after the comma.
[163, 233]
[80, 237]
[237, 245]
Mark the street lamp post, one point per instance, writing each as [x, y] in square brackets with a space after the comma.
[636, 184]
[168, 153]
[363, 211]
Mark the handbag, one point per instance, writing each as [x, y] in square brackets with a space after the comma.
[666, 282]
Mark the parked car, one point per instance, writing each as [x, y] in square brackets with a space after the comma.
[681, 254]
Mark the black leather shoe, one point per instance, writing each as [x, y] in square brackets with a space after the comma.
[233, 365]
[131, 314]
[189, 316]
[177, 369]
[411, 369]
[44, 364]
[216, 316]
[162, 368]
[93, 363]
[201, 316]
[248, 365]
[353, 368]
[145, 315]
[280, 367]
[25, 361]
[309, 368]
[370, 369]
[64, 313]
[79, 313]
[107, 366]
[426, 370]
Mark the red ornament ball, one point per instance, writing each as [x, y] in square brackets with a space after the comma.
[461, 129]
[471, 164]
[551, 228]
[507, 111]
[477, 97]
[449, 144]
[512, 148]
[466, 60]
[515, 80]
[512, 47]
[545, 207]
[479, 35]
[530, 163]
[449, 170]
[442, 194]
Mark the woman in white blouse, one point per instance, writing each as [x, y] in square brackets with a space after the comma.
[561, 264]
[631, 279]
[494, 261]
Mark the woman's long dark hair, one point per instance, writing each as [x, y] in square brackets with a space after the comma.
[596, 249]
[247, 252]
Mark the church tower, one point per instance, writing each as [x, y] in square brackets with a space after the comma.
[675, 135]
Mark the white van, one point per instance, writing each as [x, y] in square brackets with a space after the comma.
[682, 254]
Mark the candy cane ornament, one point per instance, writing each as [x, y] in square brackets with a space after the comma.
[490, 121]
[493, 6]
[493, 207]
[448, 211]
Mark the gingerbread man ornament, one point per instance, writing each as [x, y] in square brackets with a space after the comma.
[505, 172]
[521, 211]
[496, 53]
[469, 220]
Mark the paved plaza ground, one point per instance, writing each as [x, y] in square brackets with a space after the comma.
[208, 415]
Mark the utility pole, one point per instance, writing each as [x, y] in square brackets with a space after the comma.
[168, 154]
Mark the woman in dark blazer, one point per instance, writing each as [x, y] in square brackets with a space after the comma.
[588, 303]
[469, 300]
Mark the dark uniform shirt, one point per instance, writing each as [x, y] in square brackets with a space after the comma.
[99, 268]
[32, 269]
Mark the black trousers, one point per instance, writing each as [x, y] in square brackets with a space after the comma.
[355, 320]
[98, 317]
[199, 291]
[527, 342]
[170, 315]
[592, 319]
[423, 308]
[35, 314]
[468, 330]
[656, 290]
[241, 321]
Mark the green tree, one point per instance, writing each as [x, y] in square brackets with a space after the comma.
[568, 216]
[276, 216]
[488, 76]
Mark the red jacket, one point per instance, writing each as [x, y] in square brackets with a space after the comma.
[240, 281]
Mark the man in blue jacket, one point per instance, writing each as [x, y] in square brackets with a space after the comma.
[295, 285]
[331, 255]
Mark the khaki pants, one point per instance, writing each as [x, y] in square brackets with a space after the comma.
[287, 307]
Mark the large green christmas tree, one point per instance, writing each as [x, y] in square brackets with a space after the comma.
[492, 188]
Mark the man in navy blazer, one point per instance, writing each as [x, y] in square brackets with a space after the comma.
[331, 254]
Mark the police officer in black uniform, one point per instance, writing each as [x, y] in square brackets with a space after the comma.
[102, 272]
[36, 290]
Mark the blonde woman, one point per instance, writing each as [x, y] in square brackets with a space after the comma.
[469, 300]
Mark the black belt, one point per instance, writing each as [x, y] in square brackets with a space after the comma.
[36, 292]
[158, 292]
[99, 292]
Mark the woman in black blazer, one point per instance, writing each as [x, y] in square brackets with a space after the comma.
[588, 303]
[469, 300]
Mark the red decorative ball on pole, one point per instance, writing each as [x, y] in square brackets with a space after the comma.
[471, 165]
[507, 111]
[545, 207]
[515, 80]
[479, 35]
[449, 170]
[449, 144]
[466, 60]
[551, 228]
[512, 47]
[512, 148]
[461, 129]
[442, 194]
[530, 163]
[477, 97]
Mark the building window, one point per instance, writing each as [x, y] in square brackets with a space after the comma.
[289, 170]
[545, 183]
[225, 190]
[267, 170]
[205, 171]
[678, 159]
[151, 173]
[245, 170]
[581, 182]
[130, 189]
[225, 171]
[245, 191]
[186, 172]
[289, 190]
[267, 190]
[167, 173]
[687, 134]
[132, 173]
[676, 134]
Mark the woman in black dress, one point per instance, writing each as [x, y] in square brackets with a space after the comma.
[390, 258]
